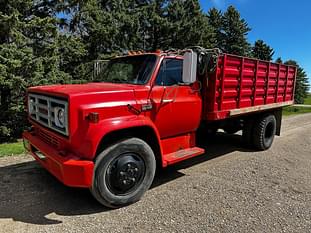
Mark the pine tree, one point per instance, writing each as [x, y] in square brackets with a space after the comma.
[187, 26]
[234, 31]
[279, 60]
[155, 25]
[116, 26]
[302, 83]
[29, 56]
[262, 51]
[106, 26]
[215, 19]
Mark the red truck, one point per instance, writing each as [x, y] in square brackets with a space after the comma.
[148, 110]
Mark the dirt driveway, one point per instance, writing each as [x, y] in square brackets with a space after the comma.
[229, 189]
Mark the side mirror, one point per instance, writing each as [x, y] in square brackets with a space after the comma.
[189, 74]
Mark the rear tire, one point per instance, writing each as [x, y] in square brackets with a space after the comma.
[264, 132]
[123, 173]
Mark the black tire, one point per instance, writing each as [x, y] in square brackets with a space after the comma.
[131, 161]
[264, 132]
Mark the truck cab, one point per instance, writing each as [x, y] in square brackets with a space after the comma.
[137, 97]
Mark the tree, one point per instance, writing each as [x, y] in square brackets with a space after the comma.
[279, 60]
[232, 32]
[29, 55]
[215, 19]
[117, 26]
[262, 51]
[302, 83]
[186, 26]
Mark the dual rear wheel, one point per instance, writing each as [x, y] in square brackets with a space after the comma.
[259, 133]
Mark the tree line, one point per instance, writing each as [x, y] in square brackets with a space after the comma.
[49, 41]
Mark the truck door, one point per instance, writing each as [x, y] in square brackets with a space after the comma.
[177, 106]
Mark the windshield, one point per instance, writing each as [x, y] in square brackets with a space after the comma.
[131, 70]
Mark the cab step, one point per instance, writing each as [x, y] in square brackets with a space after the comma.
[181, 155]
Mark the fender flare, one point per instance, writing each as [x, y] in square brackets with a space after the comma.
[99, 130]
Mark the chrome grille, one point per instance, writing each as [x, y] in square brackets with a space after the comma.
[42, 109]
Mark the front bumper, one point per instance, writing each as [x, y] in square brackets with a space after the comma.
[69, 169]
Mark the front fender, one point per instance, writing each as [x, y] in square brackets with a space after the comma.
[96, 131]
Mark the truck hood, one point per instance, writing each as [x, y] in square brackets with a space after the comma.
[108, 99]
[74, 90]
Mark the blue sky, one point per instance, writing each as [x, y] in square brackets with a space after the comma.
[284, 25]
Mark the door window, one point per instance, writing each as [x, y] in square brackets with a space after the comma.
[170, 72]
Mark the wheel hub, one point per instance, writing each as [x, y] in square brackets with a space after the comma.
[125, 173]
[269, 131]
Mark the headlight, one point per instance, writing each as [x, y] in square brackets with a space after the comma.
[59, 114]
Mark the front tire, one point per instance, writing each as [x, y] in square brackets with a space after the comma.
[123, 173]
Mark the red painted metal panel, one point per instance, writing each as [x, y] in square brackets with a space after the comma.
[181, 155]
[241, 82]
[221, 86]
[185, 141]
[69, 169]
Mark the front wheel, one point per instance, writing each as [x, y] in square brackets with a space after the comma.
[123, 173]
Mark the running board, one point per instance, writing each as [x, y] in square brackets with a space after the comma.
[181, 155]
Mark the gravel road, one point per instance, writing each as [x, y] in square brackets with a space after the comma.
[229, 189]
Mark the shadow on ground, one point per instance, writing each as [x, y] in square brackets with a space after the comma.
[28, 193]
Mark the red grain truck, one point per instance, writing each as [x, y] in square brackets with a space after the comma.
[149, 109]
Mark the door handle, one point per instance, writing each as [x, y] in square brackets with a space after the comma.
[168, 101]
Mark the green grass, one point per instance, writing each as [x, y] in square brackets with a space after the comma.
[8, 149]
[308, 100]
[292, 110]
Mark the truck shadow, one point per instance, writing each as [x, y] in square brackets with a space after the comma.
[215, 146]
[29, 194]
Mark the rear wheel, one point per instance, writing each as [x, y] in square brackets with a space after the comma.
[264, 132]
[123, 173]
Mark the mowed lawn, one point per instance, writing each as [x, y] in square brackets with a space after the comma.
[9, 149]
[308, 100]
[293, 110]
